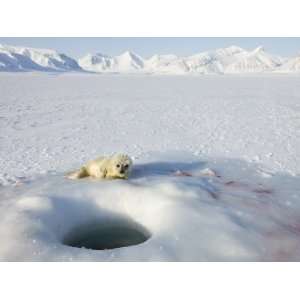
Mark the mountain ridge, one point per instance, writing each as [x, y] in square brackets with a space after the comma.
[20, 59]
[228, 60]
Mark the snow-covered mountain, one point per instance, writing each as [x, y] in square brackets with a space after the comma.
[166, 64]
[96, 63]
[221, 61]
[292, 65]
[255, 61]
[125, 63]
[230, 60]
[32, 59]
[226, 60]
[212, 62]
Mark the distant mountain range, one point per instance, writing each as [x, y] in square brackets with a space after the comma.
[231, 60]
[18, 59]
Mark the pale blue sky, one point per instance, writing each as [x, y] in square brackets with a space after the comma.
[78, 47]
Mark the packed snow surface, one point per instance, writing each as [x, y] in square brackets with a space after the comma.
[215, 174]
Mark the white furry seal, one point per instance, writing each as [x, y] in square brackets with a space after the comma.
[113, 167]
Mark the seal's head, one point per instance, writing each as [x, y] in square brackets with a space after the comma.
[120, 165]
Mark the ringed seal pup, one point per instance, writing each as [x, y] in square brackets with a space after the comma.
[116, 166]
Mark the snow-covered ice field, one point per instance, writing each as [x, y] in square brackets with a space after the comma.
[216, 165]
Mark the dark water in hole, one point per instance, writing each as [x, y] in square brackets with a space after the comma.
[99, 236]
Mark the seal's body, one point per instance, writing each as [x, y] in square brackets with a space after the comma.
[113, 167]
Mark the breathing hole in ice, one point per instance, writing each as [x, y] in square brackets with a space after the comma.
[107, 235]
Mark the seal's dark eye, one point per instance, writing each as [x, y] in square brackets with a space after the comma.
[118, 166]
[126, 166]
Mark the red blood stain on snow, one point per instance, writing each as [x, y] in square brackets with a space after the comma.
[182, 173]
[236, 184]
[179, 173]
[263, 191]
[280, 245]
[240, 185]
[293, 227]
